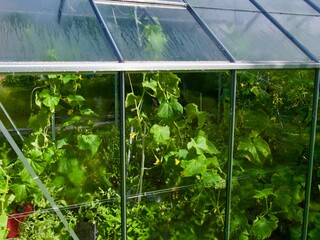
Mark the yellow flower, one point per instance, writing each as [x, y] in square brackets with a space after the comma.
[132, 135]
[70, 111]
[177, 161]
[157, 162]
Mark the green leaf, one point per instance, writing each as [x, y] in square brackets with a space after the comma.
[152, 84]
[262, 146]
[76, 176]
[132, 99]
[3, 221]
[256, 150]
[73, 121]
[194, 167]
[49, 100]
[89, 142]
[169, 82]
[88, 112]
[20, 192]
[263, 228]
[170, 110]
[211, 178]
[193, 112]
[256, 120]
[213, 162]
[75, 100]
[161, 134]
[40, 120]
[202, 144]
[263, 193]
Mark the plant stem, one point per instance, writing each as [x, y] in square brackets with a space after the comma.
[142, 163]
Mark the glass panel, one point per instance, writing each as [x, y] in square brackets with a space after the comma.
[177, 157]
[305, 28]
[286, 6]
[250, 36]
[38, 31]
[316, 2]
[80, 168]
[158, 34]
[314, 214]
[271, 153]
[224, 4]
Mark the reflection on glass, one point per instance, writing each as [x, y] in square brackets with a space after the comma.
[224, 4]
[46, 31]
[150, 34]
[270, 162]
[250, 36]
[283, 6]
[305, 28]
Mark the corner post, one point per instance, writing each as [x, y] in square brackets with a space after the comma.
[311, 154]
[230, 153]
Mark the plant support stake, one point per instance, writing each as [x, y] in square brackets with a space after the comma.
[43, 189]
[230, 152]
[311, 153]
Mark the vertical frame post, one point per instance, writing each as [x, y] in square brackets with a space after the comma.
[116, 100]
[311, 153]
[230, 153]
[123, 169]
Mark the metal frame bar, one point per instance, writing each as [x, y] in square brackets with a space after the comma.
[144, 66]
[208, 31]
[313, 5]
[311, 153]
[36, 178]
[123, 167]
[285, 31]
[143, 3]
[106, 31]
[232, 121]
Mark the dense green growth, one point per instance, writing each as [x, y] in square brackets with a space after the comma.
[176, 161]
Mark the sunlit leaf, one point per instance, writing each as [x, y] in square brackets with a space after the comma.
[170, 110]
[161, 134]
[20, 191]
[194, 167]
[132, 99]
[202, 144]
[263, 193]
[89, 142]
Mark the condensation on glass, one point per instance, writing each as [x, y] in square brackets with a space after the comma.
[47, 30]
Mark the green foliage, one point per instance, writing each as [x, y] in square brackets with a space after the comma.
[177, 160]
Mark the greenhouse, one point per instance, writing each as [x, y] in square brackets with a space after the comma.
[159, 119]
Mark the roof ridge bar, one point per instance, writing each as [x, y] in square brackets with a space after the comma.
[159, 3]
[106, 31]
[285, 31]
[313, 5]
[213, 37]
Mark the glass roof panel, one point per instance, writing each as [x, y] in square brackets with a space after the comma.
[243, 5]
[317, 2]
[155, 34]
[305, 28]
[39, 31]
[287, 6]
[249, 36]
